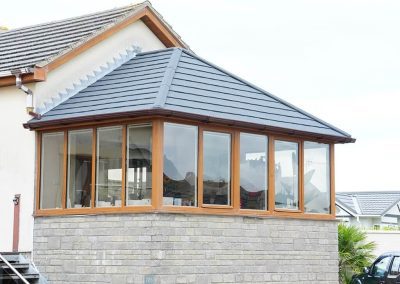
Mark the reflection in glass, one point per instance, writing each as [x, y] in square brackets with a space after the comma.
[286, 175]
[52, 170]
[139, 167]
[395, 270]
[79, 168]
[253, 171]
[380, 267]
[180, 165]
[109, 166]
[216, 168]
[316, 178]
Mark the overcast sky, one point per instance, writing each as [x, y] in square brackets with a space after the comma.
[339, 60]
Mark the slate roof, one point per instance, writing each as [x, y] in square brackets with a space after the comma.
[177, 81]
[40, 44]
[368, 202]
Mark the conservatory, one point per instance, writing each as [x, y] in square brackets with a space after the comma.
[169, 169]
[199, 140]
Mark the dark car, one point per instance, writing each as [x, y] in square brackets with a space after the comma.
[384, 270]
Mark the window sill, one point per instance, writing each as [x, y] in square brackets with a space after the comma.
[287, 210]
[216, 206]
[183, 210]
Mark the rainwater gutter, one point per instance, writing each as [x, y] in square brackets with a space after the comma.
[18, 83]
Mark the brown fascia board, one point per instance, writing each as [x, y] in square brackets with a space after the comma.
[147, 14]
[37, 125]
[38, 74]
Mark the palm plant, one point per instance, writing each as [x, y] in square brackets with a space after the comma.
[355, 252]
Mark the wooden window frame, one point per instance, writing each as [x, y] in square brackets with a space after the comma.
[200, 169]
[268, 207]
[93, 182]
[157, 123]
[300, 162]
[178, 208]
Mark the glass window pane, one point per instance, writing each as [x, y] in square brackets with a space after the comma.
[180, 165]
[216, 168]
[316, 178]
[52, 170]
[381, 267]
[139, 166]
[79, 168]
[286, 175]
[253, 171]
[109, 166]
[395, 270]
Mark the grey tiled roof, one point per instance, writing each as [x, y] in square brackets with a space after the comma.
[39, 44]
[368, 203]
[177, 81]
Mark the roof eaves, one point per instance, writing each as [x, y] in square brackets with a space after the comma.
[20, 71]
[367, 192]
[390, 206]
[346, 208]
[346, 137]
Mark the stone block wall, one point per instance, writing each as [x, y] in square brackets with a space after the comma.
[178, 248]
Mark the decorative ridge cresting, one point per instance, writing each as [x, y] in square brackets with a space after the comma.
[90, 79]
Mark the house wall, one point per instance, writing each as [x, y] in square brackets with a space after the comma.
[386, 241]
[58, 80]
[17, 160]
[179, 248]
[17, 145]
[365, 222]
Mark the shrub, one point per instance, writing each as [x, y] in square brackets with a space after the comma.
[355, 252]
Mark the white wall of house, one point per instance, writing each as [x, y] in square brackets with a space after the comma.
[17, 145]
[17, 158]
[386, 241]
[71, 72]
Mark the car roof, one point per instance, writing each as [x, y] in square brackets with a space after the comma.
[392, 253]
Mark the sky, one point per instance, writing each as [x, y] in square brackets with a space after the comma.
[337, 59]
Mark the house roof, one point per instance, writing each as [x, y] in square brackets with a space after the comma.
[368, 202]
[176, 81]
[37, 45]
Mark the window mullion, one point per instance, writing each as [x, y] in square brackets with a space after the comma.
[38, 168]
[271, 174]
[123, 166]
[65, 173]
[301, 176]
[157, 162]
[235, 176]
[200, 168]
[93, 185]
[332, 179]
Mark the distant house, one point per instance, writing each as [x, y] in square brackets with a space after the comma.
[370, 210]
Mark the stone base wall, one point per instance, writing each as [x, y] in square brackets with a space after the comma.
[177, 248]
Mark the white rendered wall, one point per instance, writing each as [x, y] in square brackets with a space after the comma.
[17, 160]
[17, 145]
[386, 241]
[136, 34]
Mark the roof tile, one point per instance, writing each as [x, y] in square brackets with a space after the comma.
[28, 46]
[177, 80]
